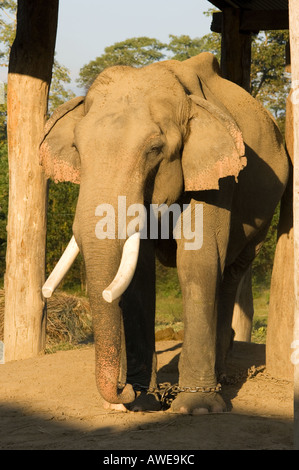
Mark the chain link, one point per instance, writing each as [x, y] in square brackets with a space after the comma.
[167, 392]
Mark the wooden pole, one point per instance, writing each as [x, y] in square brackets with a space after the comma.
[235, 49]
[30, 70]
[281, 306]
[294, 43]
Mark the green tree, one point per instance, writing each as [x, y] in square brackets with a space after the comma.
[270, 83]
[136, 52]
[3, 117]
[62, 200]
[3, 205]
[58, 93]
[8, 10]
[183, 47]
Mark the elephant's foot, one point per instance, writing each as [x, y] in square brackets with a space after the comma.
[144, 401]
[114, 406]
[198, 403]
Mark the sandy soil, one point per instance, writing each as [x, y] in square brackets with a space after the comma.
[51, 402]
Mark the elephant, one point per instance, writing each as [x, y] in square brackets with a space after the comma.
[167, 133]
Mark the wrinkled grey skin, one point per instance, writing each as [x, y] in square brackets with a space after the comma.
[140, 134]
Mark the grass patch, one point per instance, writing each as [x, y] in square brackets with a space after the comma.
[169, 304]
[261, 297]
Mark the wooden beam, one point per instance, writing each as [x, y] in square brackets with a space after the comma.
[218, 3]
[221, 4]
[294, 43]
[252, 21]
[264, 20]
[216, 25]
[235, 49]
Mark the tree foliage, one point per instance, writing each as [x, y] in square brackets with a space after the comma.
[136, 52]
[3, 204]
[58, 93]
[7, 28]
[62, 201]
[183, 47]
[270, 83]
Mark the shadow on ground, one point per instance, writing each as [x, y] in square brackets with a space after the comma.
[51, 402]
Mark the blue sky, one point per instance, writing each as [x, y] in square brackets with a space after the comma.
[86, 27]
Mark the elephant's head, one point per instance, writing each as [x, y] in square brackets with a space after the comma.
[148, 134]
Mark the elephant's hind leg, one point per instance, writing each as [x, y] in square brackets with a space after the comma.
[232, 277]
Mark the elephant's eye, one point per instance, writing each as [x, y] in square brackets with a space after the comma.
[155, 149]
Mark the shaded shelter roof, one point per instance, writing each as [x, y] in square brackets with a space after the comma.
[255, 15]
[256, 5]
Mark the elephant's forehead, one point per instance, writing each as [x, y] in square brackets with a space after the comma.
[137, 86]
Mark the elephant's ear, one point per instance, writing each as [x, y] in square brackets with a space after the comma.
[213, 149]
[58, 153]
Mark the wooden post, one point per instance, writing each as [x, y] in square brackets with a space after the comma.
[281, 306]
[294, 43]
[30, 70]
[235, 49]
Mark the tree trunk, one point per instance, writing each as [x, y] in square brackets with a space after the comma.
[243, 310]
[30, 70]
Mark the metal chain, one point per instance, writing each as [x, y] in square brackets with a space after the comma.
[217, 388]
[167, 392]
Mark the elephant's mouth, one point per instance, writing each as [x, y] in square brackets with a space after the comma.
[122, 278]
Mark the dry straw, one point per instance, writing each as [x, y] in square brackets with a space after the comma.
[68, 319]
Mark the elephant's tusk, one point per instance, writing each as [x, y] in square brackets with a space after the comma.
[68, 257]
[126, 269]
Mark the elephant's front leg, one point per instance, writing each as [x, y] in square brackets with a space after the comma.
[199, 273]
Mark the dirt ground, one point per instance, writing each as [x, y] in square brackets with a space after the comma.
[51, 402]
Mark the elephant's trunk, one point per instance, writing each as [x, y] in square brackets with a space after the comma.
[107, 327]
[108, 344]
[102, 259]
[107, 333]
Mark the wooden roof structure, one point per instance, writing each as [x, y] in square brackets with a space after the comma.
[255, 15]
[237, 20]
